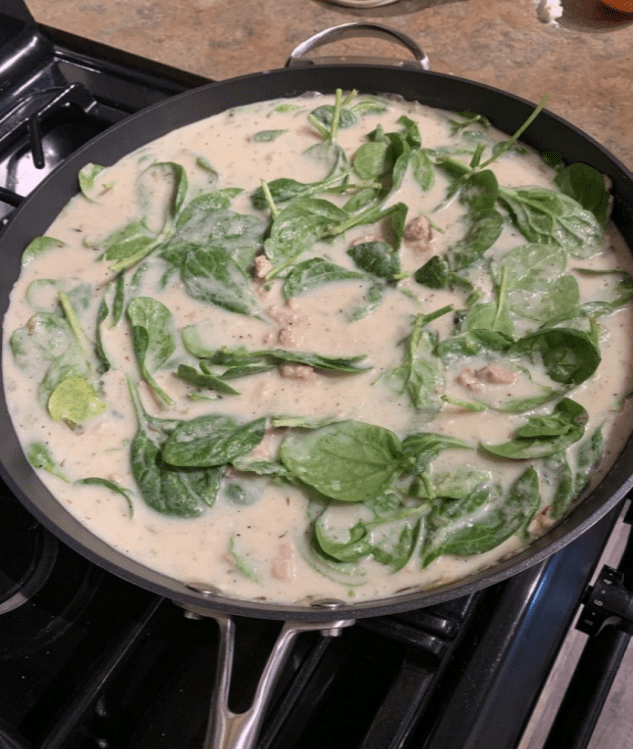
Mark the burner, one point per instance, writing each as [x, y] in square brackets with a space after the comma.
[27, 556]
[44, 585]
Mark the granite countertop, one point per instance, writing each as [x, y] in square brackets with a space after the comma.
[585, 61]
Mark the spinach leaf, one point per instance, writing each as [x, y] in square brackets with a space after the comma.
[134, 242]
[326, 113]
[211, 440]
[204, 379]
[210, 275]
[482, 521]
[87, 178]
[423, 169]
[284, 189]
[376, 258]
[421, 375]
[312, 273]
[297, 228]
[124, 245]
[240, 563]
[47, 348]
[588, 187]
[538, 287]
[164, 488]
[265, 136]
[39, 246]
[484, 228]
[542, 436]
[102, 315]
[467, 120]
[349, 461]
[396, 550]
[153, 338]
[424, 447]
[39, 456]
[548, 217]
[242, 357]
[112, 486]
[475, 342]
[569, 356]
[373, 299]
[558, 473]
[74, 401]
[207, 222]
[590, 453]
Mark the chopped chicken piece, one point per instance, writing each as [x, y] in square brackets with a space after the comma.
[289, 320]
[468, 379]
[365, 239]
[418, 234]
[297, 372]
[283, 563]
[496, 374]
[262, 266]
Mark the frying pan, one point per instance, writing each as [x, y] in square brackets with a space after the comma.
[410, 80]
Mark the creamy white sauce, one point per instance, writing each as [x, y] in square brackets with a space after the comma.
[259, 550]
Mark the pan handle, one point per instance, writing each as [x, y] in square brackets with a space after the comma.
[350, 31]
[229, 730]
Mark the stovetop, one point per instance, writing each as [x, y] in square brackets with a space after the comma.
[89, 660]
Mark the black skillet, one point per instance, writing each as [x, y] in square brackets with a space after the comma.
[411, 81]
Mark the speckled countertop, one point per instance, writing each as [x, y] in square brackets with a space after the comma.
[585, 62]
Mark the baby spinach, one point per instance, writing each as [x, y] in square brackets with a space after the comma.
[542, 436]
[569, 356]
[483, 520]
[74, 401]
[39, 456]
[212, 276]
[312, 273]
[349, 461]
[537, 285]
[39, 246]
[164, 488]
[211, 440]
[590, 453]
[153, 338]
[135, 241]
[588, 187]
[240, 563]
[297, 228]
[376, 258]
[87, 179]
[421, 376]
[241, 362]
[284, 189]
[394, 551]
[424, 447]
[48, 349]
[265, 136]
[112, 486]
[373, 298]
[206, 221]
[204, 379]
[557, 472]
[548, 217]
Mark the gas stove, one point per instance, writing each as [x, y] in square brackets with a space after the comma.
[89, 660]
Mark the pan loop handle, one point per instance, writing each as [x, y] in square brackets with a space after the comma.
[353, 30]
[229, 730]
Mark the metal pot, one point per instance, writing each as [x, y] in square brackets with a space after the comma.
[411, 81]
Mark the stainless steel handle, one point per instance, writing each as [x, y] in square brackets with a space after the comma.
[229, 730]
[352, 30]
